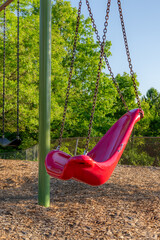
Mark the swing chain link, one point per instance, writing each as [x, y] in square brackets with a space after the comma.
[4, 63]
[115, 83]
[128, 56]
[70, 75]
[17, 69]
[98, 74]
[102, 44]
[4, 75]
[105, 56]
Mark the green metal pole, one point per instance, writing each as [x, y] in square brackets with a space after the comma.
[44, 101]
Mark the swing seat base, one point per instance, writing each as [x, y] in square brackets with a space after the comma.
[82, 168]
[96, 167]
[4, 142]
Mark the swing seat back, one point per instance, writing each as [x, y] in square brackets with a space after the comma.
[96, 167]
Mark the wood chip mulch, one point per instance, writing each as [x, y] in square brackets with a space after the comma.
[126, 207]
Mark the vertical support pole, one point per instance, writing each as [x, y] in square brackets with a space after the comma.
[44, 101]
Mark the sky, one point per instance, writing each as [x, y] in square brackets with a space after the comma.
[142, 23]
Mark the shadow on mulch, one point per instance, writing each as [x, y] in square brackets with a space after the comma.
[72, 191]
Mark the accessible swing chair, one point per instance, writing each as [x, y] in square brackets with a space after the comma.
[95, 167]
[4, 142]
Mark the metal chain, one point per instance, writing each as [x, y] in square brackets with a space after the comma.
[115, 83]
[70, 74]
[105, 56]
[17, 69]
[98, 74]
[128, 55]
[4, 67]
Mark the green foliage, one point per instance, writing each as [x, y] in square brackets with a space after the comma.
[29, 72]
[141, 151]
[152, 99]
[132, 157]
[109, 106]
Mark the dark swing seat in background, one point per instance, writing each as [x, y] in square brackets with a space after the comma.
[4, 142]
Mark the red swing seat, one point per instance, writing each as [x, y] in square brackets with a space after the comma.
[96, 167]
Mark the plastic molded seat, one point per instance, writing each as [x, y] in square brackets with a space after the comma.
[96, 167]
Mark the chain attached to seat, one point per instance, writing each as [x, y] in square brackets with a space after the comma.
[18, 69]
[4, 72]
[105, 56]
[98, 74]
[128, 56]
[4, 141]
[70, 75]
[102, 54]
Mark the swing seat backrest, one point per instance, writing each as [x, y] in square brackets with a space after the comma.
[116, 138]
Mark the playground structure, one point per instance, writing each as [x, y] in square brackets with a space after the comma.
[45, 88]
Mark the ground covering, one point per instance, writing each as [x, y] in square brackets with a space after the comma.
[126, 207]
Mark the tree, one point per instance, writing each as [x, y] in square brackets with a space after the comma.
[152, 98]
[84, 75]
[108, 108]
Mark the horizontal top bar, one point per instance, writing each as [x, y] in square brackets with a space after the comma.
[5, 4]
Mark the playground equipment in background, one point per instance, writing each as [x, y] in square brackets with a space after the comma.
[4, 142]
[96, 166]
